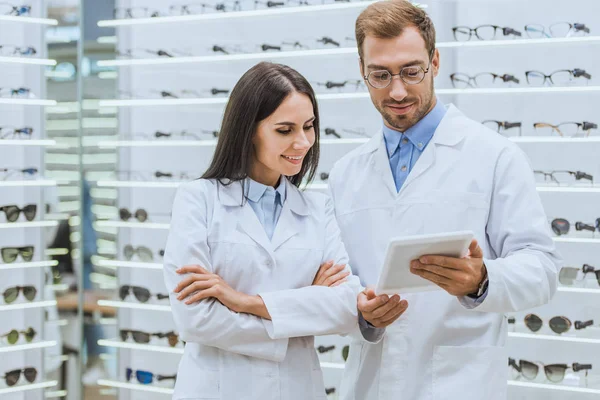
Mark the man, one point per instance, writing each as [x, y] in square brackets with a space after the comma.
[432, 170]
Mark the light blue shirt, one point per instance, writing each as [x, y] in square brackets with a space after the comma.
[267, 203]
[405, 148]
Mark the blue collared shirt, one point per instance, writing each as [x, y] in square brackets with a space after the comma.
[405, 148]
[267, 203]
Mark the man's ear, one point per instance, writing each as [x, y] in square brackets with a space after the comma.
[435, 62]
[361, 67]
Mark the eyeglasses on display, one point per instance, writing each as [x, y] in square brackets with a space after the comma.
[140, 293]
[144, 337]
[502, 126]
[10, 254]
[554, 372]
[11, 294]
[559, 78]
[143, 252]
[145, 377]
[356, 131]
[12, 212]
[561, 226]
[411, 75]
[564, 176]
[483, 79]
[15, 10]
[9, 50]
[9, 132]
[12, 337]
[22, 93]
[482, 32]
[21, 173]
[141, 53]
[352, 84]
[565, 129]
[559, 324]
[141, 215]
[12, 377]
[556, 30]
[569, 275]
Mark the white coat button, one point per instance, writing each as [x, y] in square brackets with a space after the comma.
[403, 168]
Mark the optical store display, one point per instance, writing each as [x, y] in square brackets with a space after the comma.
[570, 276]
[554, 372]
[557, 324]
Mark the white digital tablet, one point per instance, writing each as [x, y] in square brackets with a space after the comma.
[396, 278]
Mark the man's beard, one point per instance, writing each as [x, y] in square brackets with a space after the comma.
[404, 122]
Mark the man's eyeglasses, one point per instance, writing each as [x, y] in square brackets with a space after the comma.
[502, 126]
[10, 132]
[18, 11]
[565, 176]
[565, 129]
[569, 275]
[411, 75]
[554, 372]
[560, 77]
[557, 30]
[482, 32]
[484, 79]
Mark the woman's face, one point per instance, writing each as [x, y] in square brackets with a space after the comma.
[283, 139]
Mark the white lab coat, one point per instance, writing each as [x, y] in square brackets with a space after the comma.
[468, 178]
[240, 356]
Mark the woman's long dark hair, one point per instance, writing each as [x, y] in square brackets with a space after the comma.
[258, 93]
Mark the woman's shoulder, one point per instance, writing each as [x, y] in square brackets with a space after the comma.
[198, 187]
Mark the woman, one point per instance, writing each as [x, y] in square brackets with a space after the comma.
[245, 249]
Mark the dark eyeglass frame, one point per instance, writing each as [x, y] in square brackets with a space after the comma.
[549, 369]
[574, 73]
[561, 226]
[29, 373]
[506, 125]
[140, 293]
[27, 131]
[10, 254]
[18, 11]
[16, 92]
[422, 72]
[18, 50]
[144, 337]
[146, 377]
[11, 171]
[11, 294]
[12, 337]
[342, 84]
[578, 175]
[506, 31]
[12, 212]
[505, 78]
[558, 324]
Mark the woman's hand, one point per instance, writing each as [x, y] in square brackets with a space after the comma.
[330, 275]
[201, 284]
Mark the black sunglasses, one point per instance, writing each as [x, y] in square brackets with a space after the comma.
[11, 294]
[12, 212]
[10, 254]
[12, 377]
[140, 293]
[144, 337]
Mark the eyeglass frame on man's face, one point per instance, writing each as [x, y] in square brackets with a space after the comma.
[400, 74]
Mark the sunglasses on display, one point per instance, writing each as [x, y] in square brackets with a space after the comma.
[140, 53]
[12, 377]
[558, 324]
[324, 176]
[144, 337]
[482, 32]
[554, 372]
[10, 254]
[11, 294]
[564, 176]
[141, 215]
[569, 275]
[15, 10]
[12, 337]
[12, 212]
[201, 8]
[484, 79]
[143, 252]
[502, 126]
[171, 175]
[140, 293]
[22, 173]
[22, 92]
[145, 377]
[9, 132]
[557, 30]
[345, 352]
[8, 50]
[134, 12]
[559, 78]
[565, 129]
[357, 131]
[561, 226]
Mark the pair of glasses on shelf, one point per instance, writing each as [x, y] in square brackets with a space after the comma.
[10, 132]
[144, 337]
[351, 85]
[483, 79]
[12, 377]
[143, 252]
[562, 77]
[9, 50]
[502, 126]
[568, 276]
[333, 132]
[559, 324]
[15, 10]
[146, 377]
[143, 53]
[564, 176]
[483, 32]
[165, 94]
[19, 173]
[12, 212]
[563, 129]
[561, 226]
[11, 294]
[12, 337]
[557, 30]
[140, 293]
[555, 373]
[141, 215]
[21, 93]
[10, 254]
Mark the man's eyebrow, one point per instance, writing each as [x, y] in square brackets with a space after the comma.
[408, 64]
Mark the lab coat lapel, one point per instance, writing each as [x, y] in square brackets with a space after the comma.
[381, 161]
[294, 209]
[231, 195]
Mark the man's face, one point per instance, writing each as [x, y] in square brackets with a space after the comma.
[401, 105]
